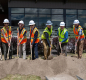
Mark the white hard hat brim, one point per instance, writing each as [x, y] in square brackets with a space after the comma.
[31, 24]
[6, 22]
[62, 25]
[49, 24]
[76, 23]
[20, 23]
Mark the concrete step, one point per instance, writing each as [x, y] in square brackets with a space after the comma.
[60, 77]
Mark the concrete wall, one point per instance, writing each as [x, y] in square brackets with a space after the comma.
[47, 4]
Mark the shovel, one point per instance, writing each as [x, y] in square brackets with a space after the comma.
[17, 48]
[50, 56]
[61, 49]
[17, 44]
[9, 48]
[31, 51]
[75, 49]
[75, 46]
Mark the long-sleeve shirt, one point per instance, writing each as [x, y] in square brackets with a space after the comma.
[66, 36]
[80, 33]
[47, 37]
[20, 30]
[35, 36]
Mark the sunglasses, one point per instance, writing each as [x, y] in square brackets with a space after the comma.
[6, 23]
[31, 25]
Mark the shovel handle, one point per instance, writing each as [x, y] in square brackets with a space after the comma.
[75, 49]
[31, 51]
[51, 46]
[61, 48]
[17, 48]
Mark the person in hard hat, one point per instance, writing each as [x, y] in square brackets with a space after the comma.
[22, 39]
[6, 36]
[79, 36]
[62, 35]
[46, 38]
[34, 38]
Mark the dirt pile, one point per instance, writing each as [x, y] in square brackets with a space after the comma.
[42, 68]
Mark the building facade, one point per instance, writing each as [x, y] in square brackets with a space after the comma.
[42, 10]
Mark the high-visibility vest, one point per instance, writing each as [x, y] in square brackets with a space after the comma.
[46, 30]
[20, 36]
[76, 32]
[8, 35]
[32, 35]
[62, 34]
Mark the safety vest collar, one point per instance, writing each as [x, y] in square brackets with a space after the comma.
[62, 32]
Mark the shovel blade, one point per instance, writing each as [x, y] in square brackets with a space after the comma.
[78, 78]
[50, 57]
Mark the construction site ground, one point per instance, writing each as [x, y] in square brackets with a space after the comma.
[61, 67]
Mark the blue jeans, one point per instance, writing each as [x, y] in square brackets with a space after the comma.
[35, 48]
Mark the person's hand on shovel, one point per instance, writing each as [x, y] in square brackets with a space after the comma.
[31, 46]
[8, 44]
[18, 44]
[60, 43]
[75, 43]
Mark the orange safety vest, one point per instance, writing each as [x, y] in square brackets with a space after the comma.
[76, 32]
[32, 35]
[21, 35]
[8, 36]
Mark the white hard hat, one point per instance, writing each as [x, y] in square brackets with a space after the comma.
[76, 22]
[6, 21]
[22, 22]
[62, 24]
[31, 22]
[49, 22]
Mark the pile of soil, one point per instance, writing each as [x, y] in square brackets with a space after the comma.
[58, 65]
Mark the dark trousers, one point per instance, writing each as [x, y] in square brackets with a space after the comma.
[4, 50]
[35, 50]
[64, 49]
[80, 48]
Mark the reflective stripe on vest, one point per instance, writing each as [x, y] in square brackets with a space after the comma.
[32, 35]
[21, 36]
[6, 34]
[76, 32]
[62, 34]
[46, 30]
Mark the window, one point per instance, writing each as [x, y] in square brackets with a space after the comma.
[40, 16]
[56, 19]
[82, 17]
[70, 11]
[82, 12]
[44, 11]
[44, 15]
[29, 17]
[15, 18]
[43, 19]
[70, 19]
[17, 14]
[17, 10]
[31, 10]
[71, 15]
[57, 11]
